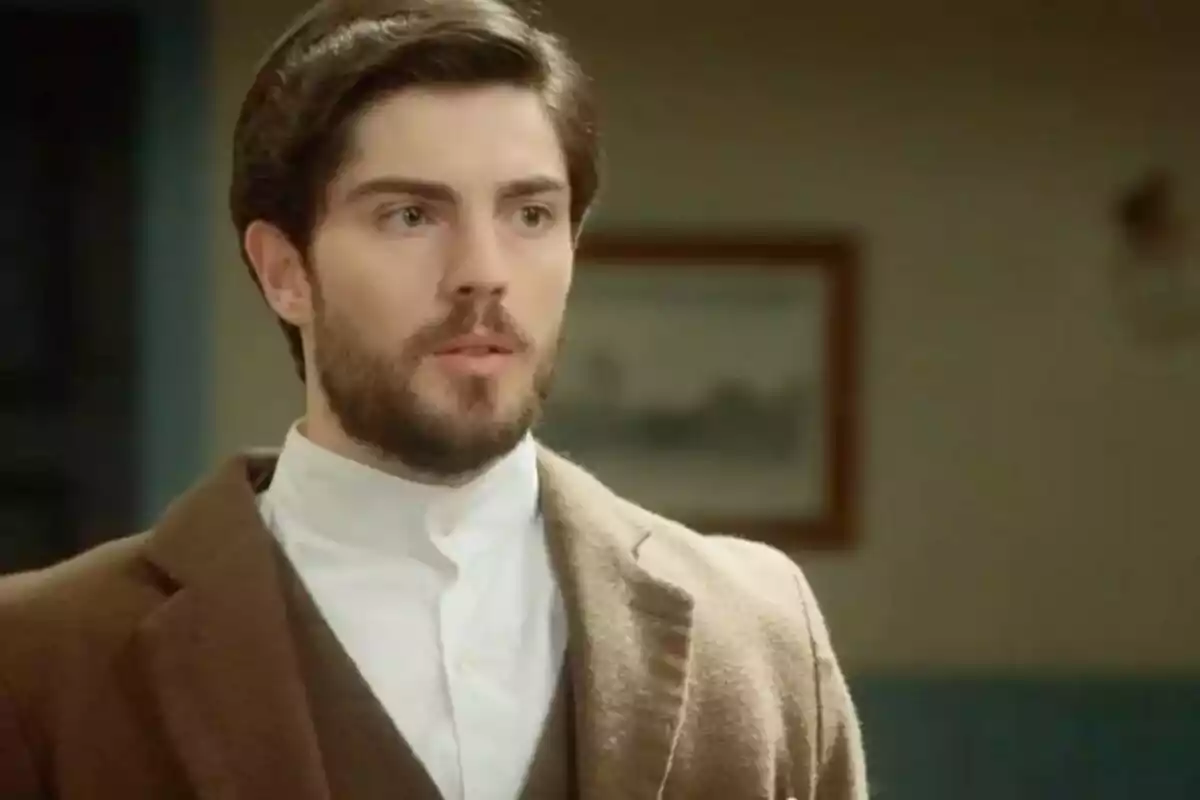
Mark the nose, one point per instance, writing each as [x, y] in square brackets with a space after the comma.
[478, 267]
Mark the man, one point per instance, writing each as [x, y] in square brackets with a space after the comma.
[414, 599]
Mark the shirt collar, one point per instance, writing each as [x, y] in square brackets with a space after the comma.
[357, 507]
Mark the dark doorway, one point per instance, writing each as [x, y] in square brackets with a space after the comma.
[69, 90]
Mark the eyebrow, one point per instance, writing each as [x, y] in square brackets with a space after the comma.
[441, 192]
[528, 187]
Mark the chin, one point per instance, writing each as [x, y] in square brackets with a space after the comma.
[488, 394]
[477, 407]
[484, 417]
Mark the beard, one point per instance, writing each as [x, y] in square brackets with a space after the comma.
[375, 398]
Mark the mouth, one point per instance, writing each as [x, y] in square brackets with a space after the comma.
[476, 350]
[476, 355]
[479, 345]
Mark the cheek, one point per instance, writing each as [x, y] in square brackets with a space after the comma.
[547, 297]
[382, 294]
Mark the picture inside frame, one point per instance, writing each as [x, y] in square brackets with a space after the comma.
[698, 391]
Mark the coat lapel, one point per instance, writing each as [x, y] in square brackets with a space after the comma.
[630, 637]
[218, 651]
[229, 685]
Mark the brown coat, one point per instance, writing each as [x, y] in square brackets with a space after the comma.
[160, 666]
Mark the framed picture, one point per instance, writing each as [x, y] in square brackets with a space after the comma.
[35, 520]
[714, 380]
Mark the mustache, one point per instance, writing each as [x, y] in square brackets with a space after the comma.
[466, 318]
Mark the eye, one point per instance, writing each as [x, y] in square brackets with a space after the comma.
[535, 216]
[410, 216]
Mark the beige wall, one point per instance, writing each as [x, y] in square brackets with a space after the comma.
[1030, 475]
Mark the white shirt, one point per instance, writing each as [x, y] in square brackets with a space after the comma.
[443, 597]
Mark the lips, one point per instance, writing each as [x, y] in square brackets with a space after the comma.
[474, 350]
[477, 345]
[476, 356]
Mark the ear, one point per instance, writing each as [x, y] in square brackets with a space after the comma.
[281, 272]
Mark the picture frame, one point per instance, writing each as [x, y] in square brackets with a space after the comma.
[714, 380]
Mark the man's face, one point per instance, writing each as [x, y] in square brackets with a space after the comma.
[440, 273]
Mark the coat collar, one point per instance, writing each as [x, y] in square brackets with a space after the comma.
[229, 684]
[220, 658]
[630, 636]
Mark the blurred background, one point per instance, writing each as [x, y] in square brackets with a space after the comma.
[1019, 609]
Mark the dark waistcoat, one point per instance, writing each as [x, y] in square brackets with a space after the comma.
[365, 757]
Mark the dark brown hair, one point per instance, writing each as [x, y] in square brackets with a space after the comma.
[342, 56]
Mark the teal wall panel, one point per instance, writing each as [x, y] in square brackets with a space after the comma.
[1033, 739]
[173, 253]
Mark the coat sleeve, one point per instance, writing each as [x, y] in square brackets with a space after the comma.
[838, 763]
[18, 770]
[18, 777]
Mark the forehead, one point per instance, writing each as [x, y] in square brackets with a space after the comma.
[460, 136]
